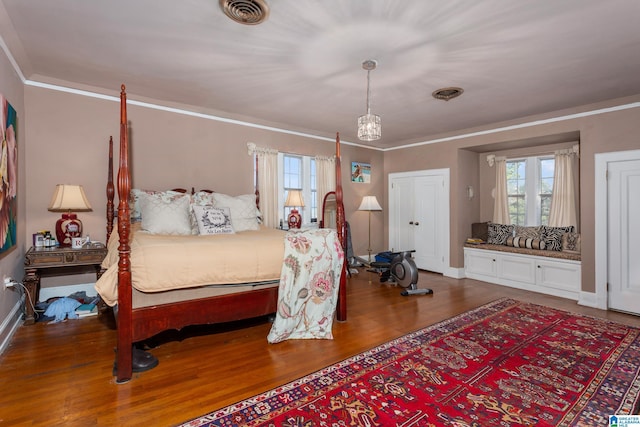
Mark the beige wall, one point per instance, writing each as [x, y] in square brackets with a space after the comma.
[11, 261]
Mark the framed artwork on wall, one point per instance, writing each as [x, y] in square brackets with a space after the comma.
[8, 175]
[360, 172]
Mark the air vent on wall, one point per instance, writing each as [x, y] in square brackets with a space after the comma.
[447, 93]
[248, 12]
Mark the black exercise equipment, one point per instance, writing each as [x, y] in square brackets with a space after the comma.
[401, 270]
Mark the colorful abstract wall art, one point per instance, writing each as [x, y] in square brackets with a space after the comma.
[8, 175]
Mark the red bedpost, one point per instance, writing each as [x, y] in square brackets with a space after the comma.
[110, 191]
[124, 318]
[341, 225]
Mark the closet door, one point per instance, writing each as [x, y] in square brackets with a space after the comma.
[427, 223]
[401, 229]
[418, 217]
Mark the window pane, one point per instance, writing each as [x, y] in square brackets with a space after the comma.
[545, 188]
[547, 168]
[516, 177]
[546, 175]
[292, 172]
[314, 198]
[545, 205]
[292, 178]
[516, 189]
[517, 209]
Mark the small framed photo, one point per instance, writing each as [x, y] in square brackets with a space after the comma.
[361, 172]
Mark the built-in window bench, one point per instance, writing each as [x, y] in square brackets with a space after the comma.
[550, 272]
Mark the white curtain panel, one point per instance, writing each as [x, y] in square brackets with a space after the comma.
[500, 205]
[325, 178]
[267, 183]
[563, 200]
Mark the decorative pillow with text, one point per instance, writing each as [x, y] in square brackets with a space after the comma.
[212, 220]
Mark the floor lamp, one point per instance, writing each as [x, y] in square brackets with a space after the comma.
[370, 203]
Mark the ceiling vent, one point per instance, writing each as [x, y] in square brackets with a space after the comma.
[247, 12]
[447, 93]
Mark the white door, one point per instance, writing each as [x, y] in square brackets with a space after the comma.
[419, 217]
[428, 241]
[623, 235]
[401, 215]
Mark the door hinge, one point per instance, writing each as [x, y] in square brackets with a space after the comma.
[607, 286]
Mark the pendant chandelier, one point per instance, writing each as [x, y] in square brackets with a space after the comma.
[369, 125]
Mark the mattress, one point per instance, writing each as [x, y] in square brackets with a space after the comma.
[161, 263]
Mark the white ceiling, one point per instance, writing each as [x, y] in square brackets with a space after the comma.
[302, 70]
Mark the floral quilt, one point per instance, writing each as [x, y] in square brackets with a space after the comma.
[309, 282]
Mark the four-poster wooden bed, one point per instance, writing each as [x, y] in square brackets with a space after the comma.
[140, 316]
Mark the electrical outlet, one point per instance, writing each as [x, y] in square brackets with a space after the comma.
[9, 282]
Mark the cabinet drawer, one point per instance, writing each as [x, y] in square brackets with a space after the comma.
[44, 258]
[476, 262]
[558, 275]
[517, 268]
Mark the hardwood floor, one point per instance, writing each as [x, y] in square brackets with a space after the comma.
[60, 374]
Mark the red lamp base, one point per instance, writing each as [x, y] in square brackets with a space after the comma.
[294, 220]
[67, 227]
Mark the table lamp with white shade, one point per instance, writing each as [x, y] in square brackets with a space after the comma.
[294, 200]
[370, 203]
[67, 198]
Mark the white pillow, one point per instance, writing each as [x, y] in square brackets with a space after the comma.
[134, 200]
[244, 213]
[212, 220]
[165, 216]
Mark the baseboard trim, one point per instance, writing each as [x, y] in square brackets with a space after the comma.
[11, 323]
[454, 273]
[590, 299]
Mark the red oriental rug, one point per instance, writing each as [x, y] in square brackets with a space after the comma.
[507, 363]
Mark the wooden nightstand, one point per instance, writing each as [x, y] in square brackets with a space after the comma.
[58, 261]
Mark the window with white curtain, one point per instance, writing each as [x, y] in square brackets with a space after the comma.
[529, 189]
[298, 173]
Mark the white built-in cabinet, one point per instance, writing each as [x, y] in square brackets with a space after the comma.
[552, 276]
